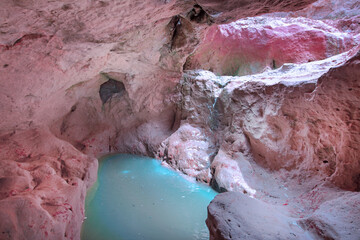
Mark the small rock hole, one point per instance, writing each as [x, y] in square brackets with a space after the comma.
[110, 88]
[197, 14]
[325, 161]
[5, 65]
[66, 7]
[273, 64]
[73, 108]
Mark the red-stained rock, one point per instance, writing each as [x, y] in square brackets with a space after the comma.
[253, 45]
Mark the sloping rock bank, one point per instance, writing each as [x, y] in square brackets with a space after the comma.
[315, 120]
[234, 215]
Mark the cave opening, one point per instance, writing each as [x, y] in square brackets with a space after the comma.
[111, 88]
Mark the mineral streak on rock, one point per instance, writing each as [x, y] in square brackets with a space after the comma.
[280, 132]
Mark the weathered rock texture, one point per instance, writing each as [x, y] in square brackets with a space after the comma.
[55, 57]
[251, 219]
[81, 79]
[305, 133]
[285, 136]
[42, 186]
[256, 44]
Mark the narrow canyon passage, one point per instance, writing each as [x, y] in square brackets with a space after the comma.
[257, 100]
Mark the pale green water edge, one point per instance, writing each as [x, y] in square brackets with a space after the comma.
[137, 198]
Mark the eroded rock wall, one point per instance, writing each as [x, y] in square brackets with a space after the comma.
[54, 58]
[286, 136]
[311, 160]
[43, 186]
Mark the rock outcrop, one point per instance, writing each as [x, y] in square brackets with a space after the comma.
[253, 45]
[285, 136]
[237, 216]
[313, 121]
[281, 134]
[42, 186]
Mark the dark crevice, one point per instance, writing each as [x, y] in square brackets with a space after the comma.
[20, 40]
[66, 7]
[80, 146]
[111, 88]
[216, 187]
[73, 108]
[30, 36]
[199, 15]
[213, 183]
[64, 172]
[273, 64]
[174, 29]
[181, 34]
[63, 127]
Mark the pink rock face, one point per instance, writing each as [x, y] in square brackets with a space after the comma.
[253, 45]
[54, 57]
[286, 136]
[43, 183]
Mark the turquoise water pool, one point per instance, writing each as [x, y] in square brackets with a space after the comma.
[137, 198]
